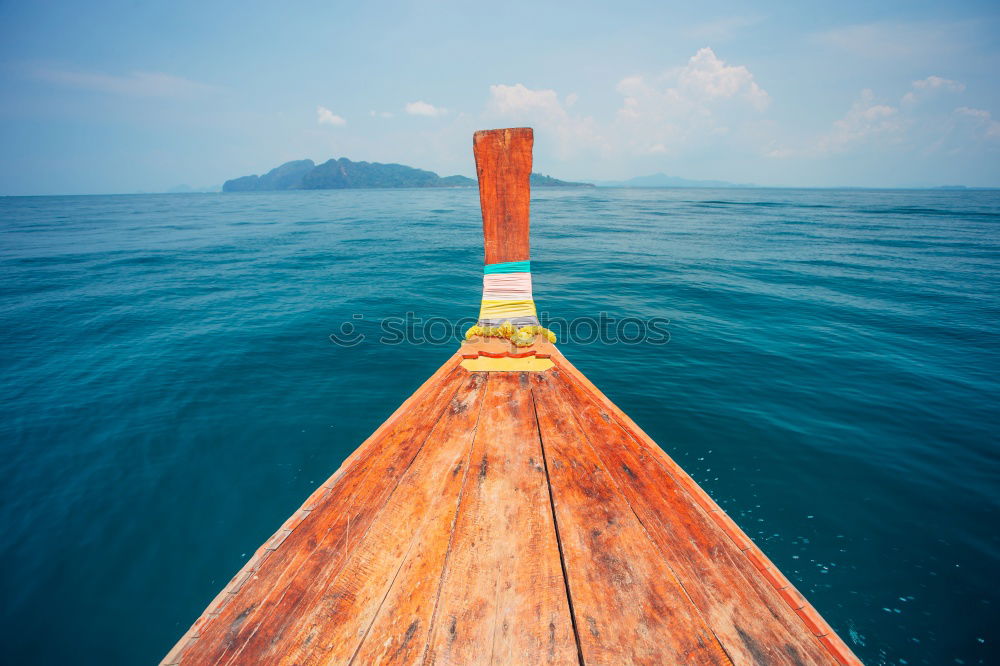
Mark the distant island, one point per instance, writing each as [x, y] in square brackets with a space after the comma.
[338, 174]
[539, 180]
[663, 180]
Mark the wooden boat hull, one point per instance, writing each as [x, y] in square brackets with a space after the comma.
[510, 517]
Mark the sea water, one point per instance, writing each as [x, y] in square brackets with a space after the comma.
[172, 388]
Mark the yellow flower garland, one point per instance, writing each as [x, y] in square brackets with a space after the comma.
[521, 337]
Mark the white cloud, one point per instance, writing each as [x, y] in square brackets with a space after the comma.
[135, 84]
[865, 120]
[980, 119]
[325, 116]
[931, 86]
[704, 98]
[518, 104]
[380, 114]
[420, 108]
[710, 107]
[708, 77]
[518, 98]
[937, 82]
[916, 129]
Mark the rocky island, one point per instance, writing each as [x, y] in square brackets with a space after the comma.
[342, 173]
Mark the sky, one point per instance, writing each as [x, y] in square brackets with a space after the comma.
[143, 96]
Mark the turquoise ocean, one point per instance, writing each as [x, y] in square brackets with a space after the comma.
[170, 392]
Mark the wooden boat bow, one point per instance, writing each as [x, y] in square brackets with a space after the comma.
[508, 512]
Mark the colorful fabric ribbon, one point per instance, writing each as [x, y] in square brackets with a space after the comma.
[508, 267]
[507, 295]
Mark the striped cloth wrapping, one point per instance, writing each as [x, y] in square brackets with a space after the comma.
[507, 295]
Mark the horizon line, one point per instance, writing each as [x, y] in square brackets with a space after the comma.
[902, 188]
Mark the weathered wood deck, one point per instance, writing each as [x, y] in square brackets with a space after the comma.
[509, 517]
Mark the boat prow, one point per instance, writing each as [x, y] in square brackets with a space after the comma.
[508, 512]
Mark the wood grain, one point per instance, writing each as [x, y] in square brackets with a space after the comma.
[746, 614]
[629, 606]
[838, 650]
[510, 518]
[332, 629]
[502, 598]
[503, 165]
[291, 578]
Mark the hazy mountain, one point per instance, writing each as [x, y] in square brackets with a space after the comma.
[187, 189]
[663, 180]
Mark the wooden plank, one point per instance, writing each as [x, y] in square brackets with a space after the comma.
[290, 578]
[322, 494]
[837, 648]
[503, 597]
[332, 629]
[399, 632]
[751, 621]
[628, 605]
[503, 165]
